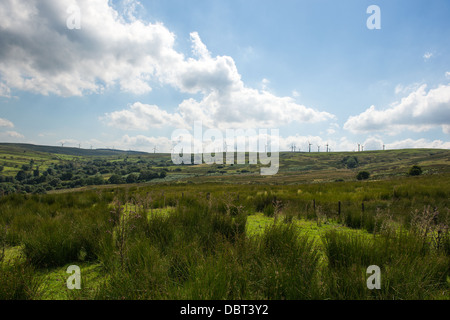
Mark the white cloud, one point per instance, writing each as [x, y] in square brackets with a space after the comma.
[6, 123]
[11, 136]
[226, 102]
[14, 134]
[38, 53]
[373, 143]
[419, 111]
[295, 94]
[265, 84]
[248, 108]
[144, 143]
[5, 91]
[420, 143]
[447, 74]
[404, 90]
[141, 116]
[427, 55]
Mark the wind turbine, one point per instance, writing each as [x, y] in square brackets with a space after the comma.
[310, 144]
[327, 146]
[154, 149]
[318, 148]
[62, 144]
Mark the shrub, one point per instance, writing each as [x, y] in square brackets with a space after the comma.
[415, 171]
[351, 162]
[363, 175]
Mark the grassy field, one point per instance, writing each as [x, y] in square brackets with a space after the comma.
[309, 232]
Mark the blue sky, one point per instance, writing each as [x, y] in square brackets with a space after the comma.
[136, 71]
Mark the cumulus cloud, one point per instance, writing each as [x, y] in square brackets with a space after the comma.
[225, 103]
[5, 91]
[248, 108]
[38, 53]
[145, 143]
[141, 116]
[373, 143]
[419, 111]
[14, 134]
[6, 123]
[420, 143]
[11, 136]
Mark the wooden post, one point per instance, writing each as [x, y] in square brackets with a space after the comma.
[362, 207]
[339, 208]
[314, 205]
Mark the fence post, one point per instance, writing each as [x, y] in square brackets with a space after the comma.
[339, 208]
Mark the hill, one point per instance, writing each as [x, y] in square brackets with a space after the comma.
[46, 168]
[21, 147]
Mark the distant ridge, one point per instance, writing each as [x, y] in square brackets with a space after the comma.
[71, 151]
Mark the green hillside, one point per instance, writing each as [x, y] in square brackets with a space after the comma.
[32, 168]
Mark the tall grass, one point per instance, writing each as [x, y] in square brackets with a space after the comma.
[410, 269]
[199, 249]
[19, 282]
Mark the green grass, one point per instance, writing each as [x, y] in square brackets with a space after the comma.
[234, 240]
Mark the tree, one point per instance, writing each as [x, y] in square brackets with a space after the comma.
[115, 179]
[147, 176]
[21, 175]
[162, 174]
[351, 162]
[132, 178]
[66, 176]
[415, 171]
[54, 182]
[363, 175]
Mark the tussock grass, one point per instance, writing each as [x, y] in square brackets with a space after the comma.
[236, 242]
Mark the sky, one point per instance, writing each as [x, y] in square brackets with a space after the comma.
[126, 74]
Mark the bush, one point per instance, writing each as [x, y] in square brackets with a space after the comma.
[415, 171]
[363, 175]
[132, 178]
[350, 162]
[115, 179]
